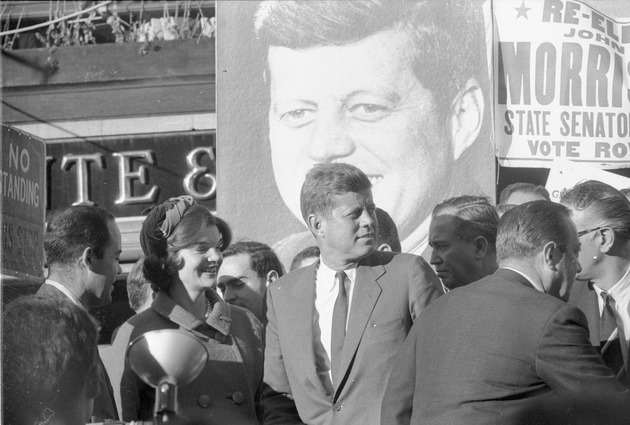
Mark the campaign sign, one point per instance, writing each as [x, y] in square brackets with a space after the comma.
[561, 84]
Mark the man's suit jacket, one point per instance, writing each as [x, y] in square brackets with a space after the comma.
[485, 352]
[584, 297]
[390, 291]
[104, 404]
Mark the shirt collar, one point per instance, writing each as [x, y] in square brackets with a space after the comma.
[67, 292]
[326, 275]
[220, 317]
[620, 290]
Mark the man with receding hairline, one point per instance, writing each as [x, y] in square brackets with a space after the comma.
[602, 291]
[462, 237]
[83, 247]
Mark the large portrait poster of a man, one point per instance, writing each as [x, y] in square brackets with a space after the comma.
[399, 89]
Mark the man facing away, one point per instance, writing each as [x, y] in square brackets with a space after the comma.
[396, 88]
[484, 352]
[50, 365]
[83, 246]
[602, 216]
[247, 268]
[519, 193]
[387, 238]
[304, 258]
[334, 327]
[462, 236]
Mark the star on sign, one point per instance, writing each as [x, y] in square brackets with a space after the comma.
[522, 11]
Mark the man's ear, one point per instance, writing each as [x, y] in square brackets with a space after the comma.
[466, 117]
[384, 247]
[607, 238]
[272, 276]
[315, 224]
[552, 256]
[481, 247]
[87, 258]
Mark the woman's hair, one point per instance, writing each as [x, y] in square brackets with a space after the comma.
[170, 227]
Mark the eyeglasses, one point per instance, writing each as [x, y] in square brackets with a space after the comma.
[583, 232]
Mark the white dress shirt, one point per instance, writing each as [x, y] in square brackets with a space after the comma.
[326, 291]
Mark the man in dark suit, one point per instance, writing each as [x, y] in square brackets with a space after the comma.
[484, 352]
[82, 245]
[49, 362]
[602, 216]
[334, 327]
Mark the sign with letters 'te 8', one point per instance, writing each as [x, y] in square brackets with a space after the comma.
[125, 175]
[23, 204]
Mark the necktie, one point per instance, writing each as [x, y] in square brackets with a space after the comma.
[610, 350]
[340, 314]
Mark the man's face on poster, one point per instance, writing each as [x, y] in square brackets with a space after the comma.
[361, 104]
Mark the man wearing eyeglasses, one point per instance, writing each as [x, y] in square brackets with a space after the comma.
[602, 217]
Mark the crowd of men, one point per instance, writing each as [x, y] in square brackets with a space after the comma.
[520, 315]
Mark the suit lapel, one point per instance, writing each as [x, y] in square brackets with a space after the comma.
[584, 297]
[303, 318]
[364, 298]
[586, 300]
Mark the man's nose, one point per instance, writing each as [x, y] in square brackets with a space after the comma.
[368, 219]
[331, 138]
[435, 259]
[579, 267]
[229, 294]
[119, 269]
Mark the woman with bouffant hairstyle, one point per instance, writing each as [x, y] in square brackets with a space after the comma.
[182, 242]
